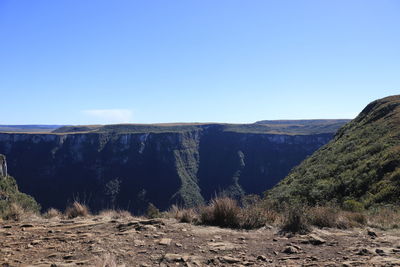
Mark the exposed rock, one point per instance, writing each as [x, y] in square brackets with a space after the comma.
[364, 252]
[3, 166]
[380, 252]
[165, 241]
[169, 257]
[316, 240]
[138, 242]
[371, 233]
[179, 152]
[222, 246]
[262, 258]
[81, 242]
[290, 250]
[229, 259]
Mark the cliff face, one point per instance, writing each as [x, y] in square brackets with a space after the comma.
[3, 166]
[128, 170]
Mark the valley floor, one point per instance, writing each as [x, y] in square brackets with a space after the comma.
[129, 241]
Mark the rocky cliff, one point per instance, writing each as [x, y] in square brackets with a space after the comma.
[127, 169]
[3, 166]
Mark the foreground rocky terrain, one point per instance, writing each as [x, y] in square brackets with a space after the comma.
[129, 241]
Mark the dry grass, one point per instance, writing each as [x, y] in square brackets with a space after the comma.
[295, 221]
[226, 212]
[222, 211]
[259, 214]
[52, 213]
[115, 214]
[253, 217]
[348, 219]
[152, 211]
[15, 212]
[384, 217]
[323, 216]
[183, 215]
[77, 210]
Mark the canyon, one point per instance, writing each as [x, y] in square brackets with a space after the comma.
[129, 166]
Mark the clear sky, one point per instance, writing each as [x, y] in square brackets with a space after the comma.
[93, 61]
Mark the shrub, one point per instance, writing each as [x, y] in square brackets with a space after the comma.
[10, 195]
[183, 215]
[152, 211]
[322, 216]
[357, 218]
[188, 216]
[384, 217]
[14, 212]
[52, 213]
[76, 210]
[253, 217]
[353, 205]
[222, 211]
[295, 221]
[348, 219]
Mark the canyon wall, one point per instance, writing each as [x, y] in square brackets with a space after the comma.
[128, 170]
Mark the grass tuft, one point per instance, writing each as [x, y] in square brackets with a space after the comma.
[295, 221]
[52, 213]
[222, 211]
[77, 210]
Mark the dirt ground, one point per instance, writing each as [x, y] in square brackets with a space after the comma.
[129, 241]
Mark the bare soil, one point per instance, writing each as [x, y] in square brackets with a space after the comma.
[130, 241]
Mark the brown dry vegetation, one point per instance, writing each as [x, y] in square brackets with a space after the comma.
[226, 212]
[77, 210]
[52, 213]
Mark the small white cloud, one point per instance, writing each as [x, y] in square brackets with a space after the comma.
[105, 116]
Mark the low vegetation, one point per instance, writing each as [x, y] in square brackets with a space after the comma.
[52, 213]
[295, 220]
[77, 209]
[360, 168]
[13, 203]
[226, 212]
[152, 211]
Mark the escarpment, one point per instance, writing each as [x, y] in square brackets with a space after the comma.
[121, 167]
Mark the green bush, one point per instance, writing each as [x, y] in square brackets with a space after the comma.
[152, 211]
[353, 205]
[11, 197]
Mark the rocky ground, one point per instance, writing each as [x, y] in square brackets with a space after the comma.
[129, 241]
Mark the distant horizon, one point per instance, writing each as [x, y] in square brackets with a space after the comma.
[177, 122]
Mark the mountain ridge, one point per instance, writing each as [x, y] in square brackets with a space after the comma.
[361, 164]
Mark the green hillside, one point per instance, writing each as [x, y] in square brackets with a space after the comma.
[9, 195]
[362, 163]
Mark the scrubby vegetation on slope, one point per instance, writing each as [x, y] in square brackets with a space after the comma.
[358, 169]
[12, 201]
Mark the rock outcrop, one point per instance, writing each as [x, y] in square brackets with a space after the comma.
[3, 166]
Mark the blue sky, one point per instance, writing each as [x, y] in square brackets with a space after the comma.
[93, 61]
